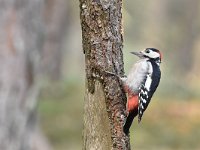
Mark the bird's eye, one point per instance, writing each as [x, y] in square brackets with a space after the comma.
[147, 51]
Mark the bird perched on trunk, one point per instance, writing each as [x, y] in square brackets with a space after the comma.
[141, 83]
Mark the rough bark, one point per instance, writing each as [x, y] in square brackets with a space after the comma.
[21, 41]
[104, 98]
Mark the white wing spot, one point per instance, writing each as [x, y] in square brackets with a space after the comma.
[148, 83]
[144, 101]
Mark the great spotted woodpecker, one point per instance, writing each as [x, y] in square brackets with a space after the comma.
[141, 83]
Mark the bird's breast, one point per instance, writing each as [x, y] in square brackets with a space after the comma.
[137, 76]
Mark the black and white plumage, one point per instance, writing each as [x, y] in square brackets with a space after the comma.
[141, 83]
[148, 88]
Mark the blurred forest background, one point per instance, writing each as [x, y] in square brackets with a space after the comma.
[41, 55]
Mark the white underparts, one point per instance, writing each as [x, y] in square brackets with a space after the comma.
[138, 74]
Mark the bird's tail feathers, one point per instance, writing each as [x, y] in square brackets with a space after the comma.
[129, 121]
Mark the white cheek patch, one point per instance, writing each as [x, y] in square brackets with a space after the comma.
[153, 54]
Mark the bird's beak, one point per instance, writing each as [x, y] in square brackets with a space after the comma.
[139, 54]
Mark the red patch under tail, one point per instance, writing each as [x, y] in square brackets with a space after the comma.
[132, 103]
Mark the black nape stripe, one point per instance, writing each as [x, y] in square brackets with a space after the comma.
[153, 49]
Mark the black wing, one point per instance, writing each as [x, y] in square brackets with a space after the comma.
[147, 89]
[144, 98]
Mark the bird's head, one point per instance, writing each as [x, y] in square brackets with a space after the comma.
[150, 53]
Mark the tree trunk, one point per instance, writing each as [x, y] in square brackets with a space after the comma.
[21, 33]
[104, 112]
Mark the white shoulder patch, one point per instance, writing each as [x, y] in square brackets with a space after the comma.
[148, 82]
